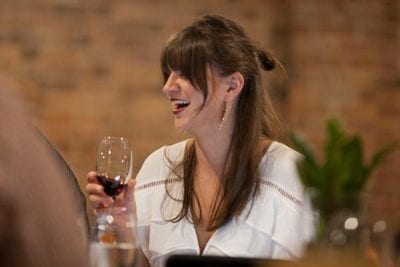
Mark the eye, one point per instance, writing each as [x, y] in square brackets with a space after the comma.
[181, 75]
[166, 74]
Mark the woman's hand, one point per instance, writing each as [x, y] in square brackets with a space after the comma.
[100, 200]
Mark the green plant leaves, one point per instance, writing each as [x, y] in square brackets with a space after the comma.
[342, 172]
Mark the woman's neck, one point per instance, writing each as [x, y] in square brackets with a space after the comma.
[212, 150]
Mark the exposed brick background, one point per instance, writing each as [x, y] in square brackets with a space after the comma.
[91, 68]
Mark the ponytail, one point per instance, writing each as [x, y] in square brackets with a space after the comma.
[266, 60]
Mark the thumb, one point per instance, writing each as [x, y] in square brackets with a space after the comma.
[130, 188]
[129, 194]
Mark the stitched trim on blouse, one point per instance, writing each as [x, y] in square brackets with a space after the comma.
[264, 182]
[159, 182]
[283, 192]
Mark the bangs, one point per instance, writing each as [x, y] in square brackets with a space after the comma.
[186, 53]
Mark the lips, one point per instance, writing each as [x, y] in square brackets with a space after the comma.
[179, 105]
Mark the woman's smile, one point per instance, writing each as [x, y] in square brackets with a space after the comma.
[179, 105]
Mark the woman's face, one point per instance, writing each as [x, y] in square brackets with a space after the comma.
[187, 103]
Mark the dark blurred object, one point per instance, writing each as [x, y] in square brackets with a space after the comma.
[397, 248]
[40, 222]
[218, 261]
[68, 174]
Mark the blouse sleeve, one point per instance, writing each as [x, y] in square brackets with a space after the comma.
[284, 198]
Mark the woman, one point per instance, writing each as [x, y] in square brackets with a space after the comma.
[232, 189]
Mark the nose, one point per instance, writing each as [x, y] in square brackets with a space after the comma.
[171, 86]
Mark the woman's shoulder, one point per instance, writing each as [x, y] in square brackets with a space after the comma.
[282, 151]
[278, 170]
[279, 159]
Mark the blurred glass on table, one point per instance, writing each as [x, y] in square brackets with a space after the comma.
[113, 241]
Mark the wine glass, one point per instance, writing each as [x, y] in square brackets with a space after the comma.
[114, 164]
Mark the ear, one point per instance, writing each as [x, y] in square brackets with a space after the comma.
[235, 84]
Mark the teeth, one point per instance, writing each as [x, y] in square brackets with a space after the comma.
[181, 102]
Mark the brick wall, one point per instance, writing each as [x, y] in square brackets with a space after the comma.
[346, 64]
[91, 68]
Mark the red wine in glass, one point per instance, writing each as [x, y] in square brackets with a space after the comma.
[112, 187]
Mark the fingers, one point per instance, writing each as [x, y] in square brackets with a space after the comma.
[97, 197]
[92, 177]
[99, 202]
[93, 186]
[95, 189]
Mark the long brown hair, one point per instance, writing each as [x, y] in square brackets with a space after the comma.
[221, 43]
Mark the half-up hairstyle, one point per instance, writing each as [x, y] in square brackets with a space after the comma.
[221, 43]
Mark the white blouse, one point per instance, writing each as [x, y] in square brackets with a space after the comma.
[279, 224]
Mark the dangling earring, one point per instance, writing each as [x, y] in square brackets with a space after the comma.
[224, 115]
